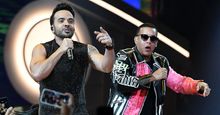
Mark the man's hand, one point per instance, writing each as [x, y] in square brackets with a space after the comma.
[67, 109]
[103, 37]
[159, 74]
[203, 89]
[66, 44]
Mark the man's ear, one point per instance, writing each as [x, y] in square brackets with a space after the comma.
[52, 28]
[135, 40]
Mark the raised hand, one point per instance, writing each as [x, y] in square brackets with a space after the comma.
[103, 37]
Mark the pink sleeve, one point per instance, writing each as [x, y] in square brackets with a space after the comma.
[181, 84]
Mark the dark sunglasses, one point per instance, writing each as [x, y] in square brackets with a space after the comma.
[145, 37]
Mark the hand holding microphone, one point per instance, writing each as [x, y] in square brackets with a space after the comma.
[203, 89]
[68, 46]
[159, 74]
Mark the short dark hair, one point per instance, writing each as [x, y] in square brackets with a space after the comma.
[146, 25]
[61, 6]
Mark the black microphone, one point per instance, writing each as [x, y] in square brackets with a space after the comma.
[201, 90]
[70, 53]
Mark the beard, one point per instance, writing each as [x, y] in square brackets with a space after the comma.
[63, 34]
[66, 35]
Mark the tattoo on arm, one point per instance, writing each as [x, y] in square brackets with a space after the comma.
[92, 51]
[144, 81]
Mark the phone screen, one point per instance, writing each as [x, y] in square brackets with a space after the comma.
[53, 98]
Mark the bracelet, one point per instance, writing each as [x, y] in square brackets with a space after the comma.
[109, 47]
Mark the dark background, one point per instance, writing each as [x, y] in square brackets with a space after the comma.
[194, 22]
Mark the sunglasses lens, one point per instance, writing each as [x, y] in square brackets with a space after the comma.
[144, 37]
[153, 38]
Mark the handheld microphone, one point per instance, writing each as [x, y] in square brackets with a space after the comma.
[201, 90]
[70, 53]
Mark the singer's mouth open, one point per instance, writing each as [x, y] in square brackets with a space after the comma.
[67, 31]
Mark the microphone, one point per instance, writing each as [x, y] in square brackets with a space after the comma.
[201, 90]
[70, 53]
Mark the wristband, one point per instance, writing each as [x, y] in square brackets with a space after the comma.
[109, 47]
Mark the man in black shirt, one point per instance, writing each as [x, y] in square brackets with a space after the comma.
[61, 64]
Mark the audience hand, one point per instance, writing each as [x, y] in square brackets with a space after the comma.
[67, 108]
